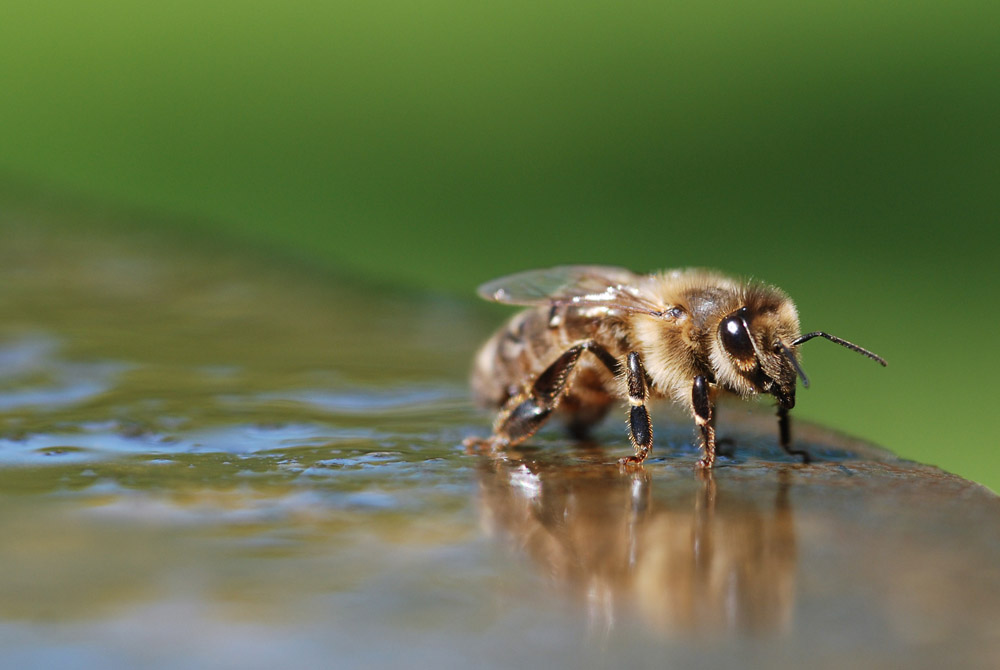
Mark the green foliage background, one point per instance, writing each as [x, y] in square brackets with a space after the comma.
[846, 151]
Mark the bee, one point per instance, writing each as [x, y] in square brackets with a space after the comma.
[596, 335]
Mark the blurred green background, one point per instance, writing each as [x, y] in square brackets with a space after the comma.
[846, 151]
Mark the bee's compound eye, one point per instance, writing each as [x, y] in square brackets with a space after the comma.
[736, 338]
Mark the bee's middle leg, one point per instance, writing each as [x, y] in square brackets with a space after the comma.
[701, 402]
[640, 428]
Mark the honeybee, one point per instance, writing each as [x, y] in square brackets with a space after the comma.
[595, 335]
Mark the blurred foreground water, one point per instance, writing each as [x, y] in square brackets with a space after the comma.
[211, 461]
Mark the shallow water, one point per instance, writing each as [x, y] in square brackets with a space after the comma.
[208, 460]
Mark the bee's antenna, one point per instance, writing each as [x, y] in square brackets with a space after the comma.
[843, 343]
[795, 363]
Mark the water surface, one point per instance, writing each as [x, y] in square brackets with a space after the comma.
[209, 460]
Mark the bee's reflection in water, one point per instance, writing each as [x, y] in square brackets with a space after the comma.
[684, 552]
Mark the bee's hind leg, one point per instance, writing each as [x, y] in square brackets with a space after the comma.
[524, 413]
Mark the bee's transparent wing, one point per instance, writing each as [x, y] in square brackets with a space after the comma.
[594, 285]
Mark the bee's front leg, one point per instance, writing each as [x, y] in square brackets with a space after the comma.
[640, 428]
[785, 436]
[701, 402]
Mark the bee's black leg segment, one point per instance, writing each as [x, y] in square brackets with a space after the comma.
[525, 412]
[784, 429]
[640, 428]
[785, 436]
[640, 431]
[701, 403]
[603, 355]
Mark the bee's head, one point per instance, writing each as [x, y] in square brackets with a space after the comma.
[756, 350]
[754, 354]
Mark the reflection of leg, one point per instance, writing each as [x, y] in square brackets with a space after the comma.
[704, 515]
[785, 436]
[640, 428]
